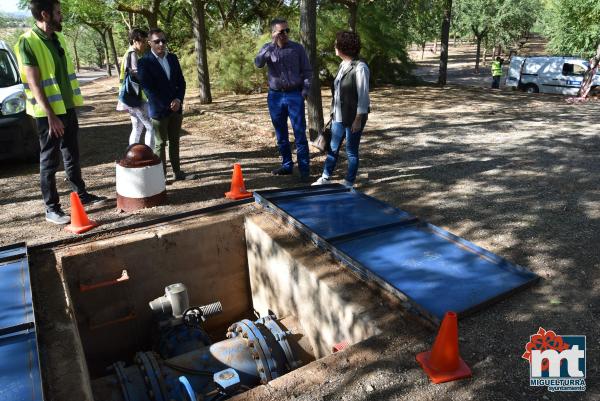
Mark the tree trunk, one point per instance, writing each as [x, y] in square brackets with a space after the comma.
[445, 37]
[308, 36]
[199, 27]
[77, 63]
[353, 11]
[111, 39]
[152, 19]
[478, 53]
[485, 49]
[106, 56]
[423, 50]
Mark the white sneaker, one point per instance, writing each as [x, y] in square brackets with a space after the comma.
[57, 217]
[322, 181]
[348, 184]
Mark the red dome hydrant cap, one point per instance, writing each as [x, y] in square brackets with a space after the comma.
[139, 155]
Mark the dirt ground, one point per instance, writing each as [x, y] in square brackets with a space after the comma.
[517, 174]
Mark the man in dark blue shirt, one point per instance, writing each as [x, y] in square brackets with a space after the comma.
[290, 75]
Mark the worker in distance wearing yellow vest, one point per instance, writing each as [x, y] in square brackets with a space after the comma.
[52, 93]
[497, 72]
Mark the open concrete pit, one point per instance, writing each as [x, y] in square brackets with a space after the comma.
[91, 301]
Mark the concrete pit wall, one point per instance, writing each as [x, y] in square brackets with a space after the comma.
[88, 320]
[245, 259]
[208, 255]
[291, 276]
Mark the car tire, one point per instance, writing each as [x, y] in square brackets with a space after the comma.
[594, 91]
[531, 88]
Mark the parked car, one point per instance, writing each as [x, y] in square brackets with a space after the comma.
[18, 136]
[549, 74]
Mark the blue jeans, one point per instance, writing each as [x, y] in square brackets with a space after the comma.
[282, 105]
[338, 132]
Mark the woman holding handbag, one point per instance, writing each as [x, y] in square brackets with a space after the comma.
[349, 107]
[131, 96]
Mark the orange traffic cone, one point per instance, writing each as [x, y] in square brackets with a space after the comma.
[238, 189]
[443, 363]
[79, 220]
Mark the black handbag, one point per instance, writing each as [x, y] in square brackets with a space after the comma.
[323, 140]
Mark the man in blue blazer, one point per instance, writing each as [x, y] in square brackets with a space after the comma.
[159, 73]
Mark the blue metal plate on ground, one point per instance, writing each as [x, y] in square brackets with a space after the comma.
[19, 368]
[431, 268]
[19, 361]
[336, 214]
[12, 251]
[15, 294]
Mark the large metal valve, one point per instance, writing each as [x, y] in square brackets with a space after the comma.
[179, 326]
[255, 353]
[190, 368]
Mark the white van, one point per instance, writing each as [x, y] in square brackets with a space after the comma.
[18, 136]
[560, 75]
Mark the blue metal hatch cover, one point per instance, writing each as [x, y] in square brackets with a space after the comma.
[429, 267]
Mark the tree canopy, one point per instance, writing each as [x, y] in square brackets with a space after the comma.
[573, 26]
[218, 39]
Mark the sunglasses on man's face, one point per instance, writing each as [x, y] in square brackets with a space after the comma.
[286, 31]
[158, 41]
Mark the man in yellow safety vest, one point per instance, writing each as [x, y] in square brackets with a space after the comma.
[496, 72]
[52, 93]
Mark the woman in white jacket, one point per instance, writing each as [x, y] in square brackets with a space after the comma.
[349, 107]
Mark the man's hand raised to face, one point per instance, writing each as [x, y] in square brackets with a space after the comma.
[277, 39]
[279, 35]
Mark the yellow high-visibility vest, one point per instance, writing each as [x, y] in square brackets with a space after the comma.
[496, 69]
[47, 76]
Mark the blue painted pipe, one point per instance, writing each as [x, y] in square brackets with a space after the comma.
[258, 351]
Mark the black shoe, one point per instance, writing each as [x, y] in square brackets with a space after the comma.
[89, 199]
[305, 178]
[281, 171]
[57, 217]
